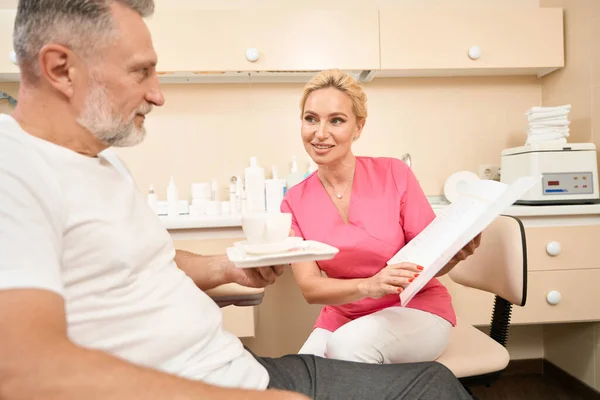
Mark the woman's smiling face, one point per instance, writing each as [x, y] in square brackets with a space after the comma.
[329, 125]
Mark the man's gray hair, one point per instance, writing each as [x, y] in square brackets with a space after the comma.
[81, 25]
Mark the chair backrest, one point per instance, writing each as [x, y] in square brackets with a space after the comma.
[499, 265]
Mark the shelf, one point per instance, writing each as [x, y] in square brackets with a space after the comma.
[200, 221]
[230, 223]
[544, 211]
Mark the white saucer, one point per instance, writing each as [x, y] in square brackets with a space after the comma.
[304, 250]
[270, 248]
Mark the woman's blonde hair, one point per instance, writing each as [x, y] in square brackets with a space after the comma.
[343, 82]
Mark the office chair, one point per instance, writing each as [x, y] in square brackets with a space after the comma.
[498, 266]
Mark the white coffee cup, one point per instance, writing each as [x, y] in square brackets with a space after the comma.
[264, 228]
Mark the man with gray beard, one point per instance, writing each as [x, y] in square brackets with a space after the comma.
[99, 118]
[95, 302]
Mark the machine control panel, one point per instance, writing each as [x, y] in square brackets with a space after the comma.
[567, 183]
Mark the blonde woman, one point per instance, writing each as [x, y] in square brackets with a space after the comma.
[369, 208]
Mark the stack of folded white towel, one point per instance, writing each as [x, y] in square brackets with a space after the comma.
[548, 124]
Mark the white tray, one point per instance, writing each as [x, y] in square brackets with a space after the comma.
[307, 250]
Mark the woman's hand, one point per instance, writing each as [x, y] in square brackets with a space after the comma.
[467, 251]
[462, 255]
[390, 280]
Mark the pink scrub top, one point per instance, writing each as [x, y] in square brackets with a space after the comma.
[387, 209]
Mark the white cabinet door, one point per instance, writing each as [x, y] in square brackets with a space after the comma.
[202, 41]
[429, 42]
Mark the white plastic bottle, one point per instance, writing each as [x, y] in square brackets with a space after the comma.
[152, 200]
[312, 167]
[172, 199]
[233, 198]
[243, 202]
[274, 190]
[294, 177]
[214, 190]
[239, 188]
[255, 187]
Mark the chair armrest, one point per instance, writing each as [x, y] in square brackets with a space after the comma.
[236, 295]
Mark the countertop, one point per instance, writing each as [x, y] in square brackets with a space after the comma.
[200, 221]
[549, 211]
[209, 222]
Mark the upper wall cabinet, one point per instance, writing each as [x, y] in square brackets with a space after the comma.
[267, 40]
[433, 42]
[8, 70]
[289, 45]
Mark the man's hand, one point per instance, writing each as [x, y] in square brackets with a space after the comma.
[252, 277]
[255, 277]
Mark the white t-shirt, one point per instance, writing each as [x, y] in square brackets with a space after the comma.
[76, 226]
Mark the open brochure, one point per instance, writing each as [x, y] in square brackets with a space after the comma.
[479, 205]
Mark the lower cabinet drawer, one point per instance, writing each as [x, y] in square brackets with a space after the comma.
[574, 293]
[554, 248]
[561, 296]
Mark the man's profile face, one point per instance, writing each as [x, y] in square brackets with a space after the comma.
[122, 85]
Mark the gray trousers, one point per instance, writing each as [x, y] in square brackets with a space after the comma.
[321, 378]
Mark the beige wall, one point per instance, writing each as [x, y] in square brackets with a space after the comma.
[210, 131]
[573, 84]
[576, 348]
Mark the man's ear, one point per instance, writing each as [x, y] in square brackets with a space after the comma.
[58, 67]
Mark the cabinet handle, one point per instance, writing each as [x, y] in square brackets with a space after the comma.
[252, 54]
[553, 297]
[553, 248]
[475, 52]
[13, 57]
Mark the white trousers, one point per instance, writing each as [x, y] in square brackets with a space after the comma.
[390, 336]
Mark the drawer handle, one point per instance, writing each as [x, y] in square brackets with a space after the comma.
[252, 54]
[475, 52]
[553, 297]
[553, 249]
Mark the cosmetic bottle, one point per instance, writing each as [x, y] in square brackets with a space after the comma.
[274, 190]
[239, 187]
[255, 186]
[172, 199]
[233, 198]
[243, 202]
[214, 188]
[312, 167]
[295, 177]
